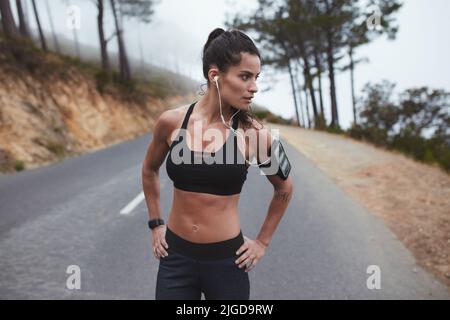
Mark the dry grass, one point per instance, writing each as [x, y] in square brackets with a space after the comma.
[411, 197]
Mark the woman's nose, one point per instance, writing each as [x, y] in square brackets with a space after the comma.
[253, 88]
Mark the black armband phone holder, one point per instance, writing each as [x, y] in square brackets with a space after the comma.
[279, 164]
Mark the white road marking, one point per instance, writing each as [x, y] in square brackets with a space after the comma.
[133, 204]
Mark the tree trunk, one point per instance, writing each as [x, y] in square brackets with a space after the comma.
[101, 33]
[9, 26]
[300, 100]
[141, 52]
[293, 91]
[305, 89]
[310, 87]
[125, 73]
[307, 74]
[286, 50]
[352, 80]
[23, 27]
[318, 63]
[55, 39]
[38, 22]
[330, 60]
[126, 63]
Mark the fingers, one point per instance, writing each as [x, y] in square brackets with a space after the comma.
[160, 247]
[159, 251]
[251, 265]
[165, 243]
[246, 259]
[155, 253]
[242, 248]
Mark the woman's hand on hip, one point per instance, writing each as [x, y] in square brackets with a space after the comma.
[252, 251]
[159, 243]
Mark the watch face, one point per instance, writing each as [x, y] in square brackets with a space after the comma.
[154, 223]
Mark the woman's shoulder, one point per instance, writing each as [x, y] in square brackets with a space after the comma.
[173, 116]
[179, 110]
[261, 129]
[253, 124]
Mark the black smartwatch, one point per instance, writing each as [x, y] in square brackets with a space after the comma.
[155, 222]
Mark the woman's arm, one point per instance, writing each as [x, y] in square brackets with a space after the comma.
[253, 250]
[155, 156]
[281, 196]
[156, 153]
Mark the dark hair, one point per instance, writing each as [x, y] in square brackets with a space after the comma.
[223, 49]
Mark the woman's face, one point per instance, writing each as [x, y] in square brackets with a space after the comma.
[239, 83]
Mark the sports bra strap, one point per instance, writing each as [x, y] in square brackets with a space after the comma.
[188, 114]
[235, 123]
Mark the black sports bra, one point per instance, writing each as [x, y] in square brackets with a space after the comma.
[217, 172]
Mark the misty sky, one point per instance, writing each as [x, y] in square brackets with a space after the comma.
[175, 38]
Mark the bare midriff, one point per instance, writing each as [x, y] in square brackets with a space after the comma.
[204, 218]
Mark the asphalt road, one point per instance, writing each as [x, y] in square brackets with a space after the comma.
[69, 214]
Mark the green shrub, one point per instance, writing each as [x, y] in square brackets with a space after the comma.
[19, 165]
[56, 148]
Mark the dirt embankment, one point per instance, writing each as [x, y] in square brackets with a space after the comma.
[46, 117]
[411, 197]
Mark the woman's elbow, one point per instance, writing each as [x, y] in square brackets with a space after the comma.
[282, 185]
[287, 185]
[148, 170]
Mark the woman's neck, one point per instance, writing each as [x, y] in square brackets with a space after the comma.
[210, 109]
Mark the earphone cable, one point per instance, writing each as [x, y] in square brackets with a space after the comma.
[232, 129]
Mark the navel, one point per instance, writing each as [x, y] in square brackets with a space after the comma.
[195, 228]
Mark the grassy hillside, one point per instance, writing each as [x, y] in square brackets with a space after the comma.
[53, 106]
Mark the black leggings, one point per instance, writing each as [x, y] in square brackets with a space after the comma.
[192, 268]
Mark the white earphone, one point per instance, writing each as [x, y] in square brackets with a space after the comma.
[216, 78]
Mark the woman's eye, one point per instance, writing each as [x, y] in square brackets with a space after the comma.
[245, 77]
